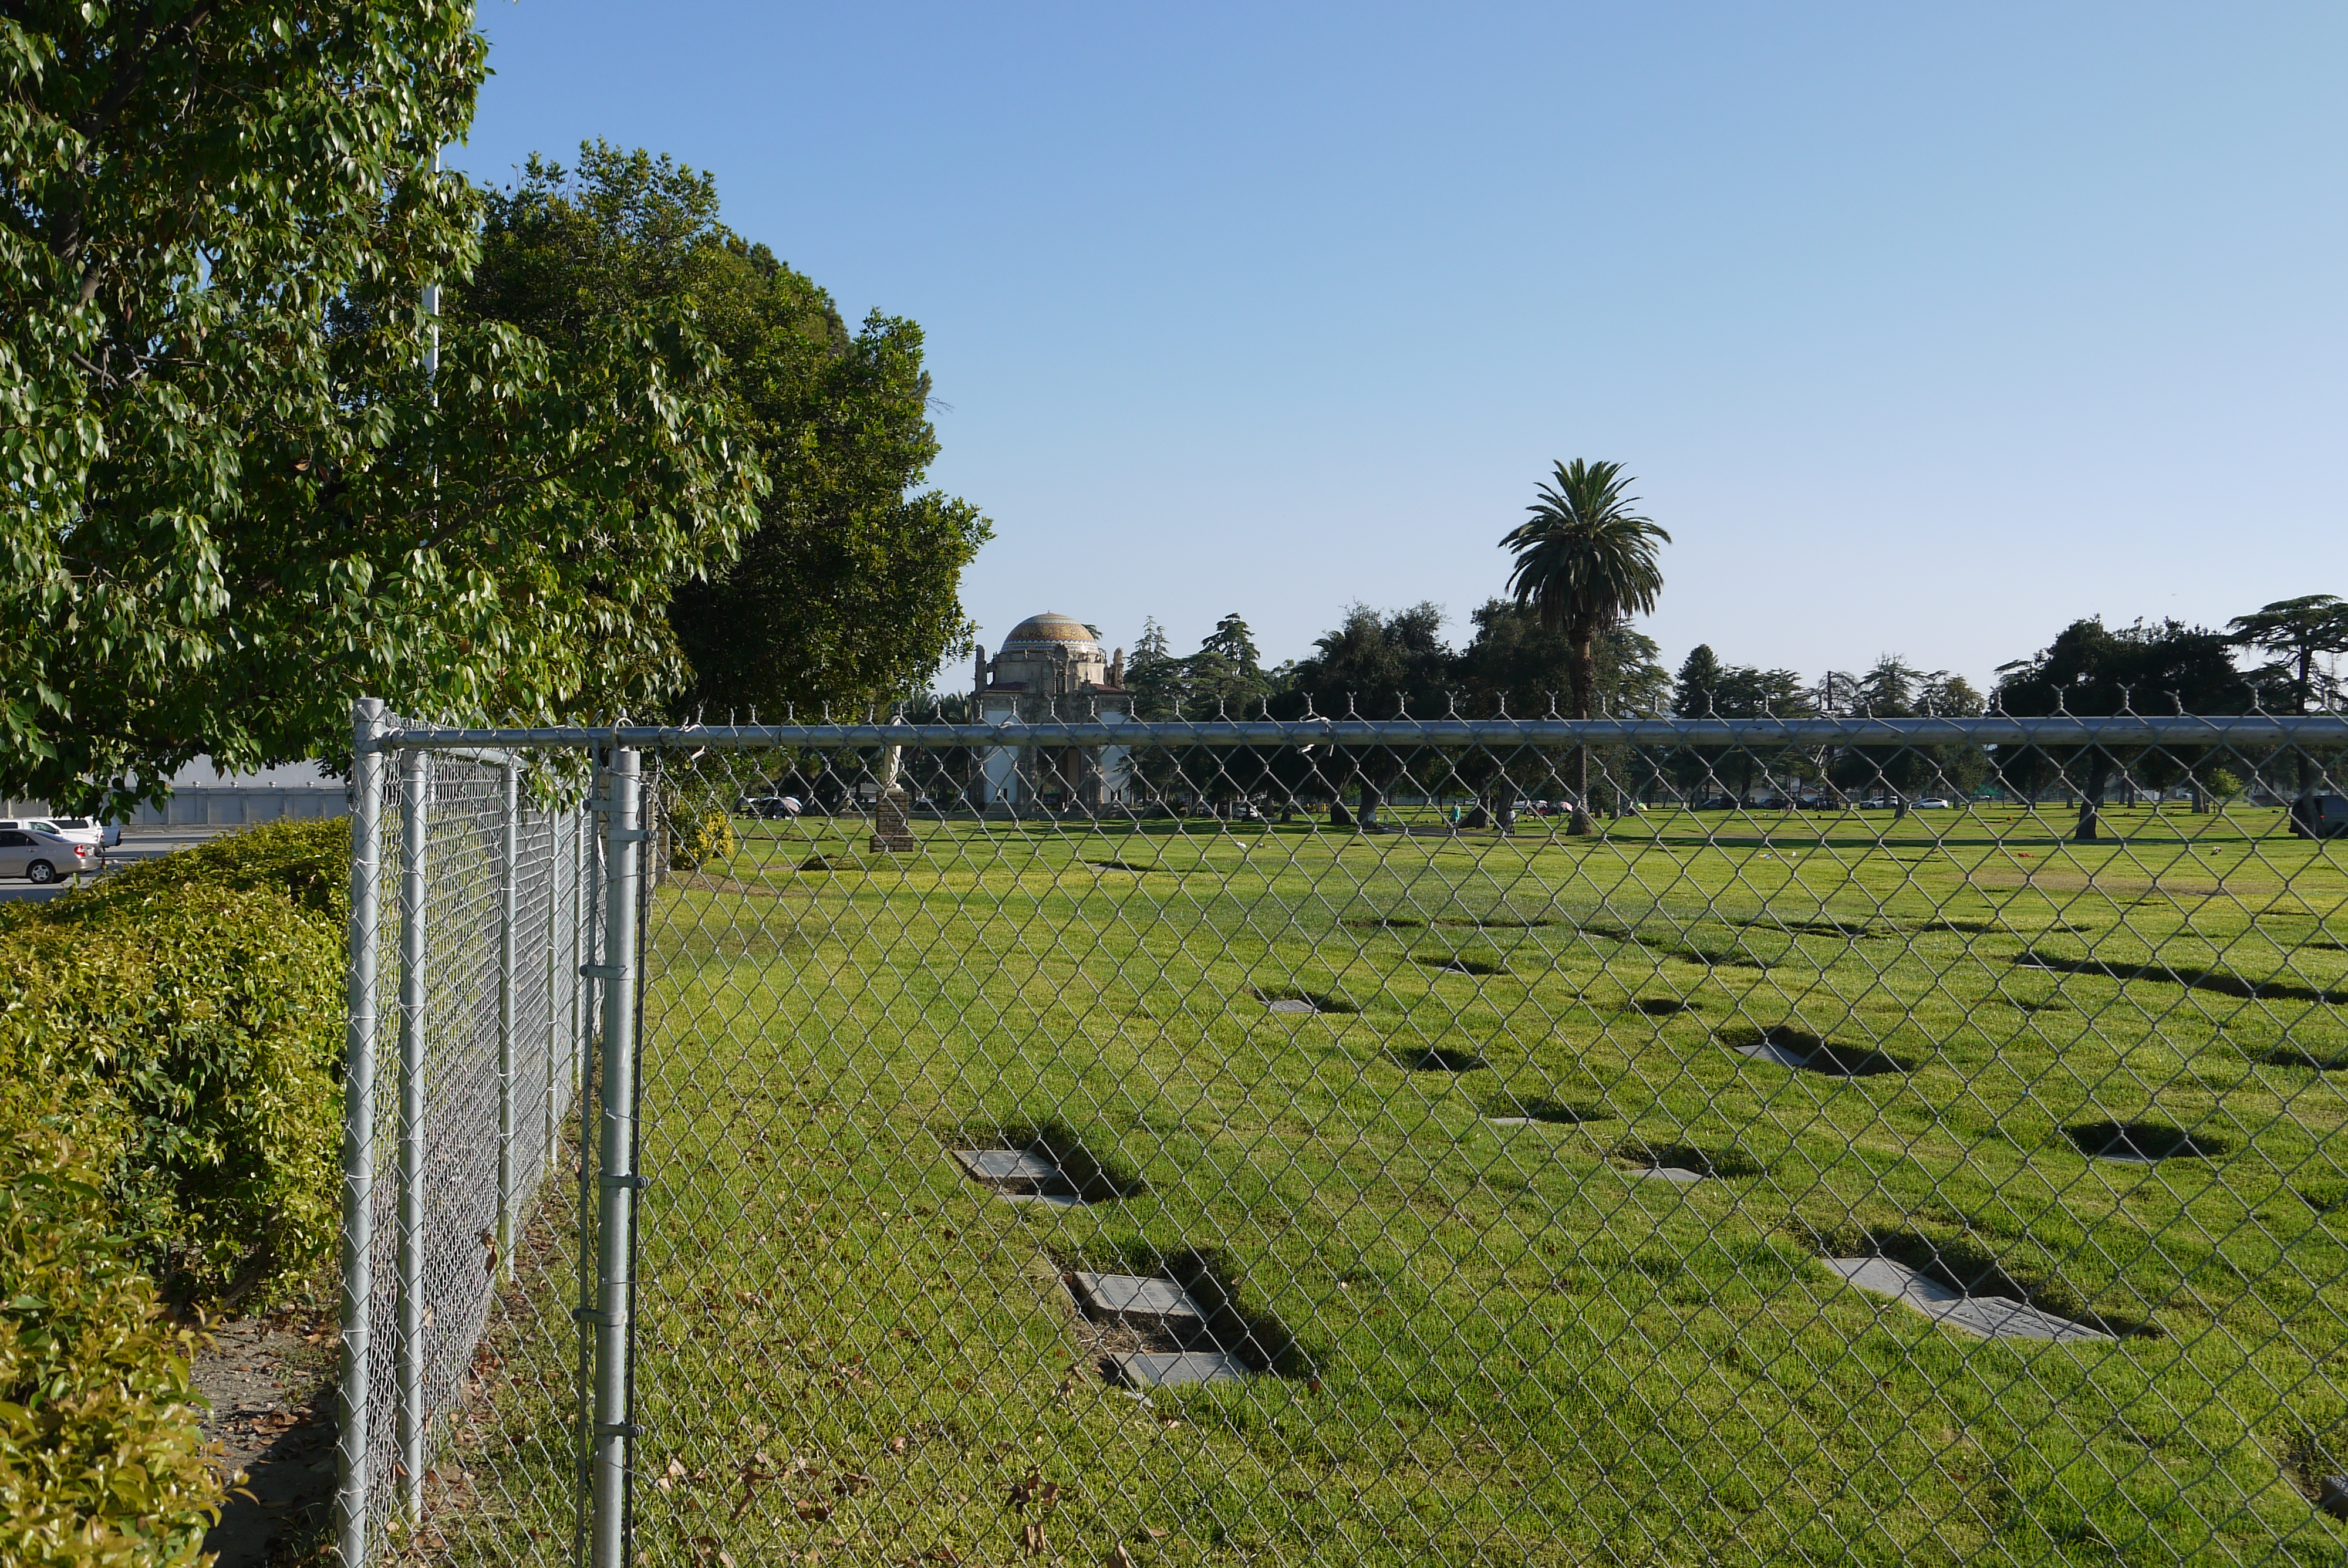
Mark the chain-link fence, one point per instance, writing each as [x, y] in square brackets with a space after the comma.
[474, 878]
[1662, 1141]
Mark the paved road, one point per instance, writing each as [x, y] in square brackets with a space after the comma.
[138, 844]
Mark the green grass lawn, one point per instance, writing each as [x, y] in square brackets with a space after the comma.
[1488, 1343]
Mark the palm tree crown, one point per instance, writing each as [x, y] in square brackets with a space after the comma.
[1585, 559]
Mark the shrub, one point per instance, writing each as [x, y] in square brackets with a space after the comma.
[189, 1013]
[101, 1458]
[698, 835]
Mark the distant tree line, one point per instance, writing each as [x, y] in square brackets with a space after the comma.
[1385, 663]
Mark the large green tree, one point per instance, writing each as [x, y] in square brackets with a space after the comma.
[2093, 670]
[2296, 633]
[1707, 688]
[1516, 664]
[848, 590]
[1378, 665]
[1892, 688]
[1586, 561]
[1225, 678]
[236, 497]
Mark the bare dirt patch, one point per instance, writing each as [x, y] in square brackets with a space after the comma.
[270, 1378]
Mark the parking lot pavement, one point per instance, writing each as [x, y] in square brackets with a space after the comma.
[138, 844]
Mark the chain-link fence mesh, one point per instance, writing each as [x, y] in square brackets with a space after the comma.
[480, 922]
[1470, 1142]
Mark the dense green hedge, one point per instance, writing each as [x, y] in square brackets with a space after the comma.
[171, 1041]
[101, 1458]
[189, 1013]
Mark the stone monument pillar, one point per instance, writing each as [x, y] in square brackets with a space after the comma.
[892, 811]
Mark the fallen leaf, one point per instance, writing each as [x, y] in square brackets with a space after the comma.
[1032, 1540]
[850, 1485]
[1120, 1558]
[812, 1509]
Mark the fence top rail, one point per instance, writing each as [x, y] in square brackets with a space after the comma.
[1993, 730]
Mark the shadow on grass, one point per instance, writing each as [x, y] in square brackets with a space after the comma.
[1823, 926]
[2142, 1141]
[1229, 1324]
[1791, 1046]
[1435, 1059]
[1494, 922]
[1084, 1175]
[1964, 1265]
[1727, 1162]
[2293, 1056]
[1454, 964]
[1318, 1001]
[2218, 980]
[1537, 1108]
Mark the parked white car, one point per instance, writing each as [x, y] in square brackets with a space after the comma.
[43, 857]
[74, 829]
[1932, 802]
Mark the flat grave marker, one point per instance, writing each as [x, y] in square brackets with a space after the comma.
[1021, 1175]
[1137, 1300]
[1173, 1368]
[1988, 1316]
[1009, 1165]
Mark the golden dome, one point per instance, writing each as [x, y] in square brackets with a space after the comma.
[1042, 633]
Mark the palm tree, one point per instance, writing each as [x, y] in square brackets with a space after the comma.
[1586, 561]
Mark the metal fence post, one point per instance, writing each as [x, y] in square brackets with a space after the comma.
[416, 778]
[587, 893]
[549, 1045]
[616, 1180]
[358, 1130]
[509, 876]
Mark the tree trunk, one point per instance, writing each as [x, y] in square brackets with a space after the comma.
[1582, 670]
[1365, 816]
[2099, 774]
[1504, 807]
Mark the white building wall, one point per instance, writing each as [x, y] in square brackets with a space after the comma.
[999, 769]
[1117, 775]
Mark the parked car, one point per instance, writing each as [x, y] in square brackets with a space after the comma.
[770, 807]
[42, 858]
[87, 830]
[2320, 816]
[1932, 802]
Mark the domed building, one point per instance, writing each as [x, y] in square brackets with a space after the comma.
[1051, 671]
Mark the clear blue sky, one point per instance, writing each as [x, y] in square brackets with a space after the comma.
[1924, 329]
